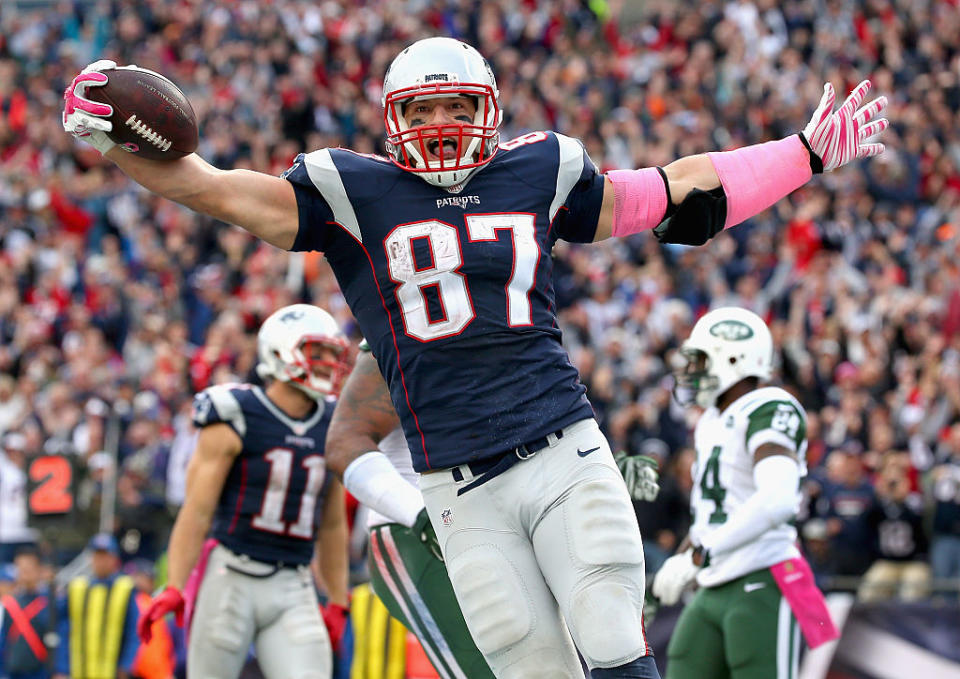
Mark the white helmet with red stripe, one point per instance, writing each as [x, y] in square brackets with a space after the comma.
[290, 344]
[431, 69]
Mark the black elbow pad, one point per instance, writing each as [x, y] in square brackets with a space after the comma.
[697, 219]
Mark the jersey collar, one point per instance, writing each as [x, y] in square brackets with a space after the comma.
[299, 427]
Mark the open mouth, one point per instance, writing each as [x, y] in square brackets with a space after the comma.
[449, 149]
[322, 372]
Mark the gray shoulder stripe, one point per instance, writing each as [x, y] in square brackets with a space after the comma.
[228, 408]
[568, 172]
[326, 177]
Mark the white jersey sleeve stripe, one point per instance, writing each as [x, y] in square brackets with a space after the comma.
[326, 177]
[228, 408]
[568, 172]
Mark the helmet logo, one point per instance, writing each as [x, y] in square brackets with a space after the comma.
[291, 316]
[436, 76]
[732, 331]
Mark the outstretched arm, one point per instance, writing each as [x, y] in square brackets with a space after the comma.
[265, 206]
[703, 194]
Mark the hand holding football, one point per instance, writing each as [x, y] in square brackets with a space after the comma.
[151, 116]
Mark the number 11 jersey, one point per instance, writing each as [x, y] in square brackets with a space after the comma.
[454, 290]
[270, 505]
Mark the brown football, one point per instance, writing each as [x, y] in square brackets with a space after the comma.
[151, 116]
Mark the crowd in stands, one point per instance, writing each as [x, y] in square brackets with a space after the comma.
[117, 306]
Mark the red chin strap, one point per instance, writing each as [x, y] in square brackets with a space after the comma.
[462, 134]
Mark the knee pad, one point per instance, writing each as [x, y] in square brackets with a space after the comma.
[497, 611]
[606, 619]
[601, 524]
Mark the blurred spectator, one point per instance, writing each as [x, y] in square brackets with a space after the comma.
[14, 532]
[29, 617]
[816, 542]
[13, 406]
[842, 502]
[896, 522]
[945, 494]
[107, 599]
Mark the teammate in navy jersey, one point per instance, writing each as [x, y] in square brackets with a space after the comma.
[257, 484]
[442, 249]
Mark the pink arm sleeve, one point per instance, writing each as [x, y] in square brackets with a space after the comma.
[755, 177]
[639, 200]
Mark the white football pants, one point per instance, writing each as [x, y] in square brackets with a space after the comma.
[279, 614]
[550, 544]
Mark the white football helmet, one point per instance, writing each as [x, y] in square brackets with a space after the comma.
[284, 349]
[431, 69]
[725, 346]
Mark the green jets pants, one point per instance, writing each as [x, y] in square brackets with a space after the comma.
[414, 586]
[743, 629]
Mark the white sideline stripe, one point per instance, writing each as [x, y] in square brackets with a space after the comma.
[875, 651]
[398, 596]
[432, 627]
[326, 177]
[568, 170]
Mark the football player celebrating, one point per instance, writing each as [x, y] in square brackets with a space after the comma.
[256, 484]
[442, 250]
[751, 446]
[366, 447]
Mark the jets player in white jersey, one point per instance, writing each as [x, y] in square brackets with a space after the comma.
[751, 454]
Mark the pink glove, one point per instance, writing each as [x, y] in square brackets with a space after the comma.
[169, 600]
[335, 618]
[86, 119]
[837, 138]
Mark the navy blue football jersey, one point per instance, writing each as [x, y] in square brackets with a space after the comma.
[270, 505]
[454, 290]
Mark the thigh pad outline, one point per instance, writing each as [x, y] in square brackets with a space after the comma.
[497, 610]
[601, 523]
